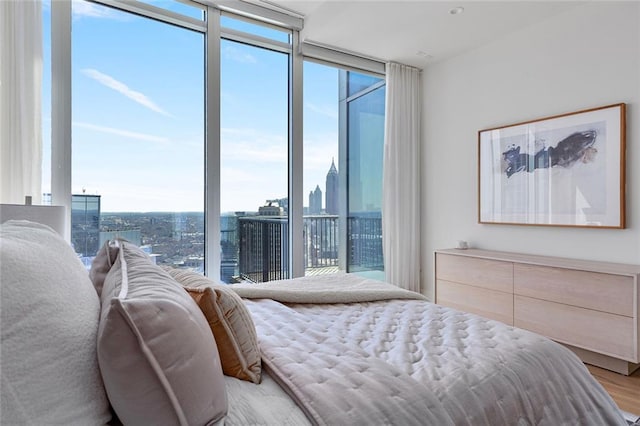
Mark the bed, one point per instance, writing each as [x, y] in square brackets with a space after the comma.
[136, 343]
[342, 349]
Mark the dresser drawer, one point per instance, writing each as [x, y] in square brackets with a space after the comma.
[602, 292]
[602, 332]
[489, 274]
[486, 303]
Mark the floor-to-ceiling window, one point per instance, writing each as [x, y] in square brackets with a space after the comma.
[321, 237]
[46, 101]
[254, 144]
[343, 114]
[138, 133]
[364, 103]
[141, 146]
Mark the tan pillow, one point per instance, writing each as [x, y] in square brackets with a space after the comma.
[158, 361]
[230, 322]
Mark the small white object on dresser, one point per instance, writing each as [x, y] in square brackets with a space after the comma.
[591, 307]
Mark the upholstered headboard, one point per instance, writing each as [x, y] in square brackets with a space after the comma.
[52, 216]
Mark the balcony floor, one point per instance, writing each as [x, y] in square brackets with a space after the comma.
[324, 270]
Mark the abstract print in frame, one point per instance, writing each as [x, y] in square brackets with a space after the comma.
[565, 170]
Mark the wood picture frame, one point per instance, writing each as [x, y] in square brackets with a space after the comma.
[563, 170]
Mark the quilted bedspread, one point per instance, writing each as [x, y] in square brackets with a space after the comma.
[410, 362]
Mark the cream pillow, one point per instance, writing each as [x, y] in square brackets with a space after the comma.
[158, 361]
[102, 263]
[230, 322]
[49, 317]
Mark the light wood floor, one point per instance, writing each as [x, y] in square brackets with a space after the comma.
[625, 390]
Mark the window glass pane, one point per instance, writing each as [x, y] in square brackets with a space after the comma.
[138, 135]
[358, 82]
[283, 36]
[85, 223]
[321, 169]
[46, 101]
[85, 8]
[366, 144]
[175, 6]
[254, 163]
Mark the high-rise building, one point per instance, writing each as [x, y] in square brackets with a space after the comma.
[229, 246]
[315, 201]
[284, 203]
[331, 202]
[264, 248]
[85, 224]
[271, 208]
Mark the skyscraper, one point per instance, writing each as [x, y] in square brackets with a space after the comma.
[85, 224]
[315, 201]
[331, 203]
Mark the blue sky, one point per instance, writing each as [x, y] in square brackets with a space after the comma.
[138, 116]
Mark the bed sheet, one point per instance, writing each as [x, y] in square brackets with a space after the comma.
[264, 404]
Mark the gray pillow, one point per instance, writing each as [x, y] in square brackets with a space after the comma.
[49, 317]
[158, 360]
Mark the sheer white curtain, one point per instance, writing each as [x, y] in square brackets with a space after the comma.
[401, 177]
[20, 99]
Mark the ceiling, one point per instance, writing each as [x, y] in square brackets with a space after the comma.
[415, 32]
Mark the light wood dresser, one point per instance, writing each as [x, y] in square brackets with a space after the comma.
[591, 307]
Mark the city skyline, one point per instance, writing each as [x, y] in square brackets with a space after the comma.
[330, 193]
[314, 205]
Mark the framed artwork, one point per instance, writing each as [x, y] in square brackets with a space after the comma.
[565, 170]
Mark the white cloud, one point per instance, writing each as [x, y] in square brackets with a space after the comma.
[251, 152]
[329, 111]
[239, 56]
[245, 189]
[250, 145]
[91, 10]
[122, 88]
[120, 132]
[123, 193]
[317, 157]
[254, 166]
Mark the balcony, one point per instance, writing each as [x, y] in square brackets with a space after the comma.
[263, 245]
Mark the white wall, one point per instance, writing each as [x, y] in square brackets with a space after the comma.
[586, 57]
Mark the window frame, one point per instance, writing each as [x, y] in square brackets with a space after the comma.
[298, 51]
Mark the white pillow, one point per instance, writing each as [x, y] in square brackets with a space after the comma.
[49, 321]
[157, 355]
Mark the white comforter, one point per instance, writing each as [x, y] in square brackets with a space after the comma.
[437, 365]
